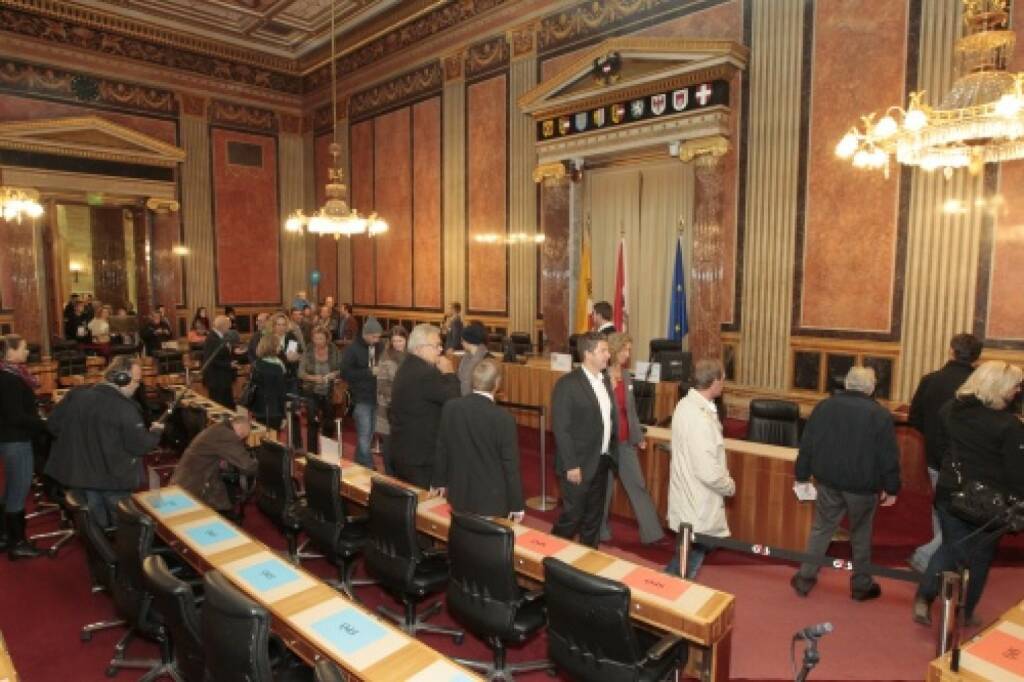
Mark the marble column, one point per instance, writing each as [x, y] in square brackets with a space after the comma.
[22, 264]
[453, 192]
[143, 255]
[555, 255]
[292, 180]
[163, 219]
[522, 191]
[707, 266]
[197, 203]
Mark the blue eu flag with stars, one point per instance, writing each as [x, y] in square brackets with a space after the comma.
[677, 326]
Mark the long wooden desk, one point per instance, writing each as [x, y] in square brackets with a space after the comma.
[996, 653]
[700, 614]
[312, 618]
[764, 509]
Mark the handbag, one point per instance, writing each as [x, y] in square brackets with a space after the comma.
[982, 504]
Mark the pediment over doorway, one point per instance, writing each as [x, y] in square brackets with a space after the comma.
[663, 90]
[89, 137]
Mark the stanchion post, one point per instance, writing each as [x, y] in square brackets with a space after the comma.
[543, 502]
[685, 539]
[288, 415]
[951, 587]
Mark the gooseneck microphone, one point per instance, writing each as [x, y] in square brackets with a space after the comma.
[813, 632]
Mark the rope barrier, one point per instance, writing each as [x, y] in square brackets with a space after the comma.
[767, 551]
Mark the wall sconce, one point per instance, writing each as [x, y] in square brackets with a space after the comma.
[179, 250]
[75, 267]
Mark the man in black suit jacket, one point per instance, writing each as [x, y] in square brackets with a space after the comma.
[425, 381]
[603, 318]
[934, 391]
[219, 372]
[477, 460]
[584, 424]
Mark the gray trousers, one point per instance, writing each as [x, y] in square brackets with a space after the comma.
[829, 509]
[633, 481]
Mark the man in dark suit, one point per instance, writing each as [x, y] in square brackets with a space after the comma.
[583, 421]
[477, 460]
[219, 371]
[603, 318]
[934, 391]
[425, 381]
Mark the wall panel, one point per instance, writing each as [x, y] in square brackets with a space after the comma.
[246, 222]
[392, 134]
[850, 230]
[363, 267]
[426, 213]
[486, 188]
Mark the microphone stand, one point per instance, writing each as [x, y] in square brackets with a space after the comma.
[811, 659]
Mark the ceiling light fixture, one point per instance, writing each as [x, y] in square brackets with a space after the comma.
[18, 202]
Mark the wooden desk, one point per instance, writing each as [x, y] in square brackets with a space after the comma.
[700, 614]
[996, 653]
[312, 618]
[7, 671]
[764, 509]
[532, 384]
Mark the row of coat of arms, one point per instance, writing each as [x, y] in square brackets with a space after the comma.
[691, 97]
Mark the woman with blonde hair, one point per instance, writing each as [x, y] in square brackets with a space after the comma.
[985, 441]
[268, 379]
[631, 435]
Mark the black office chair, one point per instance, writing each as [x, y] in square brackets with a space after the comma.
[326, 671]
[278, 498]
[169, 361]
[331, 530]
[776, 422]
[522, 342]
[237, 639]
[590, 635]
[176, 603]
[484, 596]
[100, 558]
[394, 557]
[133, 542]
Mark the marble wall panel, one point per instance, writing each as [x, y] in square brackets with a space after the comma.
[392, 134]
[487, 187]
[14, 108]
[362, 164]
[326, 247]
[426, 125]
[247, 233]
[850, 228]
[721, 21]
[109, 260]
[166, 266]
[555, 223]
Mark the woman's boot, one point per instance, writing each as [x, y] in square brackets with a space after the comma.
[18, 546]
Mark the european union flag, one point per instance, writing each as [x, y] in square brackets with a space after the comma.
[677, 326]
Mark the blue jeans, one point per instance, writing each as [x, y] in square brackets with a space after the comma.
[103, 505]
[962, 547]
[18, 463]
[693, 562]
[364, 414]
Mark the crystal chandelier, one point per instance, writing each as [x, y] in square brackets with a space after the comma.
[16, 202]
[979, 121]
[335, 217]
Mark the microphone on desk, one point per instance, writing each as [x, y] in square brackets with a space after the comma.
[813, 632]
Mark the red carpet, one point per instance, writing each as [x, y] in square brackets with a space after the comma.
[43, 603]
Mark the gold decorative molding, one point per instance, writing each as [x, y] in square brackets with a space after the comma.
[158, 205]
[454, 65]
[486, 56]
[549, 171]
[401, 89]
[243, 116]
[193, 105]
[523, 40]
[714, 146]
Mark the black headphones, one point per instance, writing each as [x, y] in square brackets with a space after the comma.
[120, 377]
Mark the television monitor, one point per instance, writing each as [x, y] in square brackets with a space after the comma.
[676, 365]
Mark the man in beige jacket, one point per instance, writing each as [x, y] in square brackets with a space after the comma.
[699, 480]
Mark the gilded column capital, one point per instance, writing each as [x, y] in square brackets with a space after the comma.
[159, 205]
[704, 149]
[523, 40]
[553, 172]
[454, 65]
[193, 105]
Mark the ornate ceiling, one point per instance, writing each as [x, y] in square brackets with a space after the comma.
[285, 28]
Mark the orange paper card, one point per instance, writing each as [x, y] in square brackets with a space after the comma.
[442, 510]
[1001, 649]
[653, 582]
[542, 543]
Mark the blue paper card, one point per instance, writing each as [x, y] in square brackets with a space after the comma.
[349, 630]
[268, 575]
[211, 533]
[168, 503]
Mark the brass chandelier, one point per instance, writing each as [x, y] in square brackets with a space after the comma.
[980, 120]
[18, 202]
[335, 217]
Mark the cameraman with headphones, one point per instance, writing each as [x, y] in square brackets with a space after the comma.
[100, 436]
